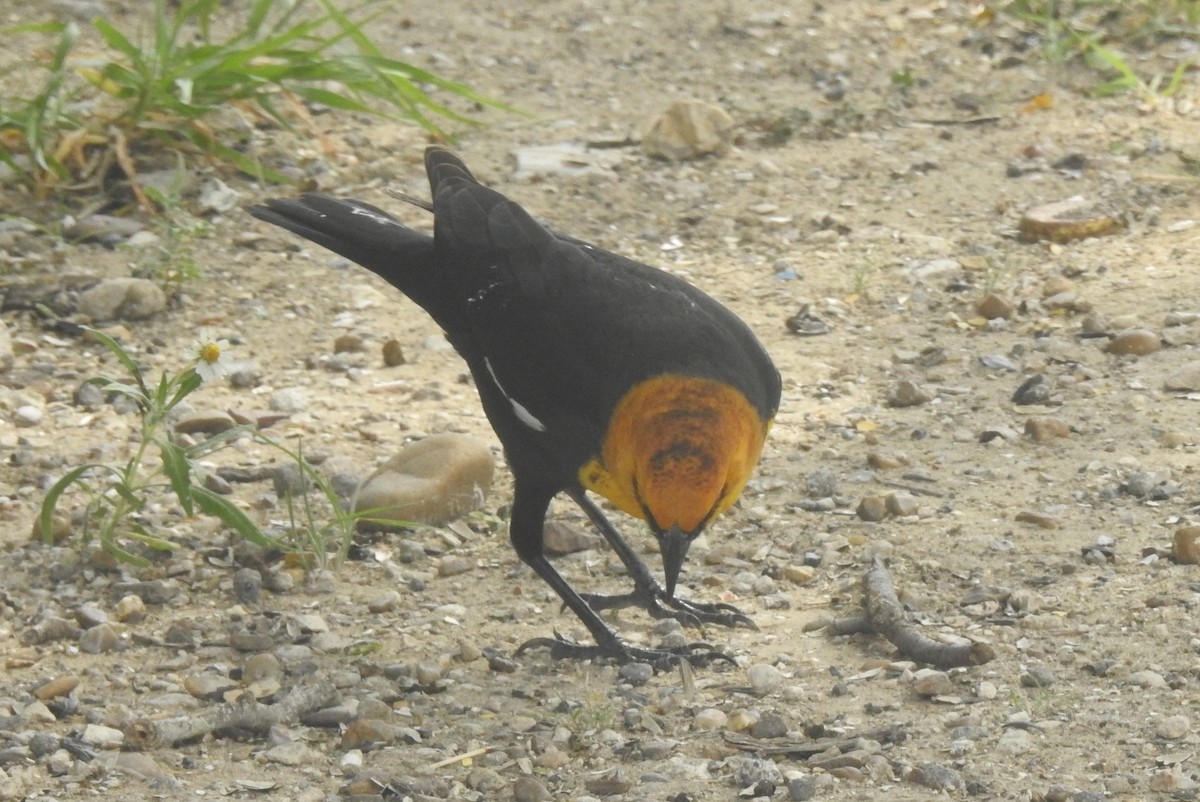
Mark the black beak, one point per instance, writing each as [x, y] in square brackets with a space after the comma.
[674, 546]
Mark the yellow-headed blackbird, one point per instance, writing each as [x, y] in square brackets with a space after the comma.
[597, 373]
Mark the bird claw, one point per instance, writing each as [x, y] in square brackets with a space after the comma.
[690, 614]
[696, 654]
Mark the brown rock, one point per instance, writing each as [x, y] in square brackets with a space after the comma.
[204, 422]
[1043, 430]
[432, 481]
[1186, 545]
[907, 393]
[872, 508]
[1064, 221]
[881, 461]
[1134, 341]
[993, 307]
[53, 689]
[393, 354]
[347, 343]
[370, 733]
[1038, 519]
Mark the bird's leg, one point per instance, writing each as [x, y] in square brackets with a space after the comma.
[647, 593]
[525, 530]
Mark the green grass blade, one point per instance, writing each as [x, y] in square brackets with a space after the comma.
[50, 502]
[122, 356]
[142, 535]
[117, 40]
[224, 510]
[112, 547]
[247, 164]
[178, 471]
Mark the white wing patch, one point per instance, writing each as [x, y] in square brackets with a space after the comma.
[524, 415]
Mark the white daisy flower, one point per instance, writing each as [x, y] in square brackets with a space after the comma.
[210, 355]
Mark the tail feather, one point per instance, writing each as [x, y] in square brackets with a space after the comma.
[370, 237]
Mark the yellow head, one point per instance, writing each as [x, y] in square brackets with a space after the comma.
[678, 451]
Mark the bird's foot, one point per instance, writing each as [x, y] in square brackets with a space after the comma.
[696, 654]
[656, 602]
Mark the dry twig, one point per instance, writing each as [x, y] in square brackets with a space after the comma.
[246, 714]
[887, 617]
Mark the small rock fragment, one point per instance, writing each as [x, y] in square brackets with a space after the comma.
[1044, 430]
[907, 393]
[559, 538]
[1067, 220]
[993, 307]
[1034, 390]
[393, 353]
[931, 682]
[130, 609]
[764, 678]
[99, 639]
[530, 789]
[901, 504]
[936, 776]
[872, 508]
[710, 718]
[687, 130]
[1038, 519]
[1185, 547]
[1184, 379]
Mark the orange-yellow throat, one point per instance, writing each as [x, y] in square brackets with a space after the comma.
[678, 451]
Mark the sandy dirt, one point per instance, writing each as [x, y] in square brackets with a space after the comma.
[883, 156]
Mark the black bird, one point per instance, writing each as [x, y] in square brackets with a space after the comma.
[597, 373]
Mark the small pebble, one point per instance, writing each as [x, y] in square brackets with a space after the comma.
[764, 678]
[636, 673]
[1038, 519]
[1151, 680]
[907, 393]
[59, 686]
[821, 483]
[1138, 342]
[530, 789]
[1185, 546]
[247, 585]
[1173, 728]
[102, 737]
[1034, 390]
[384, 602]
[1044, 430]
[936, 776]
[872, 508]
[770, 725]
[901, 504]
[1184, 379]
[992, 307]
[710, 719]
[930, 682]
[1037, 678]
[393, 354]
[99, 639]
